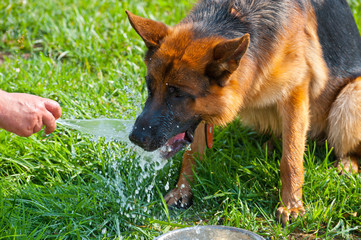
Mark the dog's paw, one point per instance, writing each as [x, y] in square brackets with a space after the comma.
[180, 197]
[284, 214]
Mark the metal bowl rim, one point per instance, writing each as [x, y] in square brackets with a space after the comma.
[234, 229]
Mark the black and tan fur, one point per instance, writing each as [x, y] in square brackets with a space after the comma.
[289, 66]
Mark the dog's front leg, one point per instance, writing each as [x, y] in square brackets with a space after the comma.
[181, 195]
[295, 117]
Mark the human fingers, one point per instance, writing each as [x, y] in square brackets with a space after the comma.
[49, 122]
[27, 126]
[53, 107]
[37, 125]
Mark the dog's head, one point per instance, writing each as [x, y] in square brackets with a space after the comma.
[187, 80]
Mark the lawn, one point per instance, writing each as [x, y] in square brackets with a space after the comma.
[70, 185]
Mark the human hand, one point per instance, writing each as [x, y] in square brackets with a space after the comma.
[25, 114]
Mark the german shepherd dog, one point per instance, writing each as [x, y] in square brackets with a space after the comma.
[292, 67]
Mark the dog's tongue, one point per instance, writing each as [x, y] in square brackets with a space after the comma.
[175, 138]
[173, 145]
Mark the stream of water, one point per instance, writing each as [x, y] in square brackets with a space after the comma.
[111, 129]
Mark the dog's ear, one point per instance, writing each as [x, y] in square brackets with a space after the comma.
[152, 32]
[226, 57]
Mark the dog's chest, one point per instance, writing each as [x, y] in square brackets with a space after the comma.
[265, 119]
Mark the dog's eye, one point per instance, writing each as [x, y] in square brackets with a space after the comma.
[171, 89]
[175, 92]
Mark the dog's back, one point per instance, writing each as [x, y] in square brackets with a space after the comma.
[339, 37]
[264, 19]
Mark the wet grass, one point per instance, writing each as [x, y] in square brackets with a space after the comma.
[67, 185]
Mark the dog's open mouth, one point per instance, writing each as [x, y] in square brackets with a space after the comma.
[176, 143]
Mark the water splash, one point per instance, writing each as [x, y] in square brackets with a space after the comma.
[113, 130]
[131, 172]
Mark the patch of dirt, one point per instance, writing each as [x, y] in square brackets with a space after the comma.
[2, 56]
[26, 56]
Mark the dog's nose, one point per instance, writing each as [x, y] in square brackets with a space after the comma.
[139, 138]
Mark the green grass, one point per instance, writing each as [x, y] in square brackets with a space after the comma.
[68, 185]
